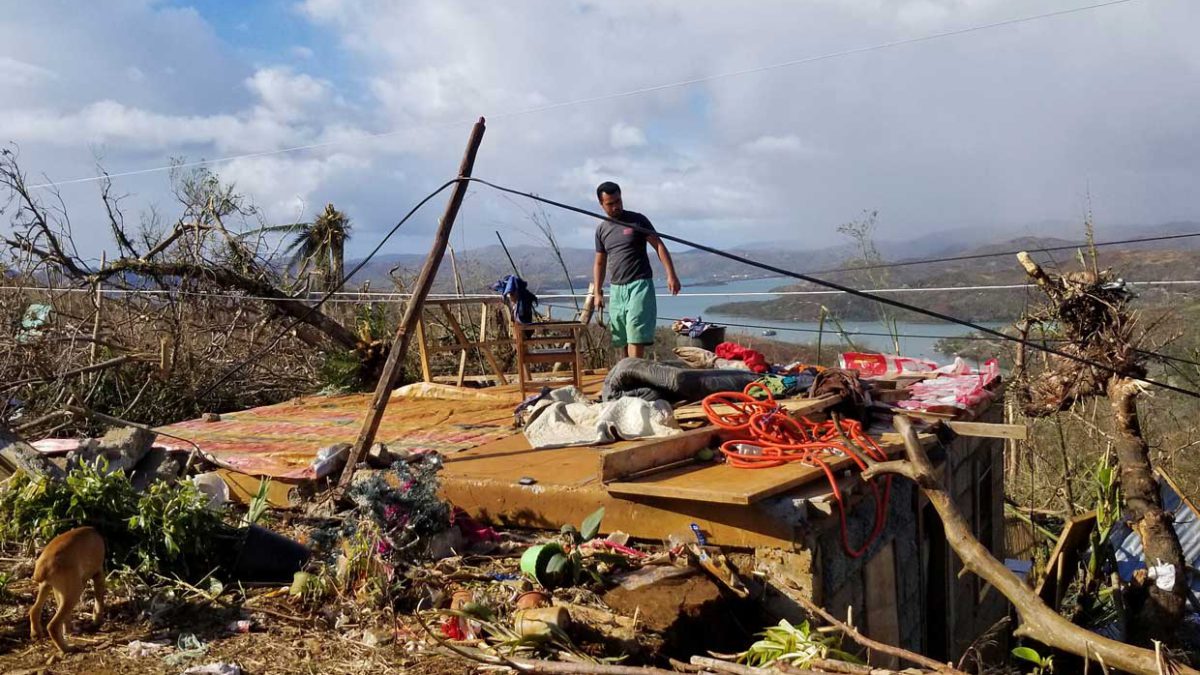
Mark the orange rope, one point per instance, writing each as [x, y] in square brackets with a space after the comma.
[775, 438]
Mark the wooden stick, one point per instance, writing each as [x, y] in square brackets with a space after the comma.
[77, 371]
[874, 645]
[99, 302]
[391, 369]
[728, 667]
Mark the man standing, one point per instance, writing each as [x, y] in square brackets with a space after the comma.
[634, 310]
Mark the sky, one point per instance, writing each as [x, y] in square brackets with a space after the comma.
[999, 130]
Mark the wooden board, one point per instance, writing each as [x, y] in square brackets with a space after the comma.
[796, 406]
[1016, 432]
[622, 462]
[883, 616]
[1060, 567]
[724, 484]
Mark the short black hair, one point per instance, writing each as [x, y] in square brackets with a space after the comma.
[607, 188]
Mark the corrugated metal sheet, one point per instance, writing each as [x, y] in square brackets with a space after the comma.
[1127, 544]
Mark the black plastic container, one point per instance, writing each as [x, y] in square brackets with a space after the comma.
[709, 339]
[267, 557]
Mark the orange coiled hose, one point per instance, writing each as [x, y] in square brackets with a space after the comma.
[772, 437]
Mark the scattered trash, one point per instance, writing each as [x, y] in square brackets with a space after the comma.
[330, 459]
[377, 637]
[532, 600]
[541, 621]
[215, 669]
[188, 647]
[138, 648]
[35, 318]
[214, 487]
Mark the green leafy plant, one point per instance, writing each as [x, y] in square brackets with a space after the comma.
[258, 503]
[1041, 664]
[796, 645]
[169, 529]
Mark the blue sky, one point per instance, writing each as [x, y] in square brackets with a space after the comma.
[998, 131]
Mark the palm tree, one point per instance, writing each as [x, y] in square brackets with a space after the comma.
[321, 246]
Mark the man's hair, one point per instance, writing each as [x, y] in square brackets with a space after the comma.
[607, 188]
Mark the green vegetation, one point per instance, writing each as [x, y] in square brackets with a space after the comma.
[168, 529]
[795, 645]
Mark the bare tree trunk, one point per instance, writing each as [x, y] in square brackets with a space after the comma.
[1163, 608]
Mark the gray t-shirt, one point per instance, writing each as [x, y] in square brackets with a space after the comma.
[626, 248]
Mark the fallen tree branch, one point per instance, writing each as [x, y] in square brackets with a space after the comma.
[76, 371]
[229, 278]
[853, 634]
[728, 667]
[1038, 621]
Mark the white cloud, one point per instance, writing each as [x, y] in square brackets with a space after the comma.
[789, 144]
[623, 135]
[14, 73]
[287, 94]
[998, 126]
[110, 122]
[285, 189]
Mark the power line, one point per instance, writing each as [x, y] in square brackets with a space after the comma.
[388, 296]
[978, 256]
[830, 284]
[854, 333]
[604, 97]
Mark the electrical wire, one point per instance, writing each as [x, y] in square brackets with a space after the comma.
[388, 296]
[979, 256]
[601, 97]
[836, 286]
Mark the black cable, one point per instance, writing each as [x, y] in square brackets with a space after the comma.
[813, 330]
[258, 355]
[978, 256]
[1144, 352]
[838, 287]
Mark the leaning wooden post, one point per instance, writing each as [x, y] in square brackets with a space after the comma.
[391, 369]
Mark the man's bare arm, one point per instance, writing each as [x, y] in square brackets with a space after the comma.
[664, 256]
[598, 270]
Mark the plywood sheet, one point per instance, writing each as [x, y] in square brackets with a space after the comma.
[725, 484]
[796, 406]
[883, 615]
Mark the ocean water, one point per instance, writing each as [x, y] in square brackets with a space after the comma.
[917, 339]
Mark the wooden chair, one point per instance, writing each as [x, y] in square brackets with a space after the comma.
[547, 342]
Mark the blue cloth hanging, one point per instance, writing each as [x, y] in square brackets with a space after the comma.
[517, 291]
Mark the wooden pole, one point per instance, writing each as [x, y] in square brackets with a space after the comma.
[458, 288]
[391, 369]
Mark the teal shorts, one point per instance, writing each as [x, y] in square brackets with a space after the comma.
[633, 313]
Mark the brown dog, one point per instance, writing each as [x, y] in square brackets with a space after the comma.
[68, 561]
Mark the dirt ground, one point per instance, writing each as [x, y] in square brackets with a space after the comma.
[272, 646]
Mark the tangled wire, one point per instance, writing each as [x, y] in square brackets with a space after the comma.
[771, 437]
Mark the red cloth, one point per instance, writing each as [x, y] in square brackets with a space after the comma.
[736, 352]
